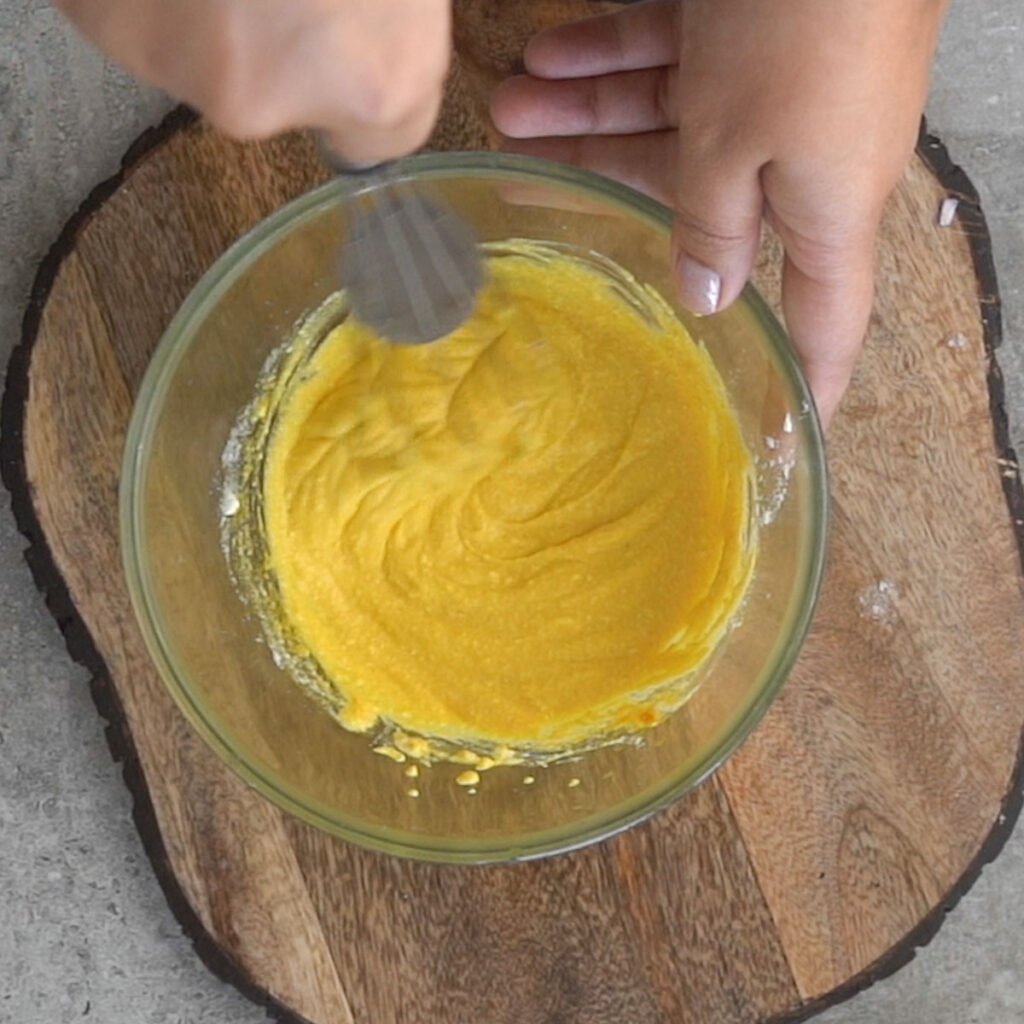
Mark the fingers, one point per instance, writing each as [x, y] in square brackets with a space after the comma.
[130, 34]
[374, 82]
[827, 219]
[718, 206]
[622, 104]
[369, 75]
[645, 162]
[827, 297]
[643, 35]
[365, 143]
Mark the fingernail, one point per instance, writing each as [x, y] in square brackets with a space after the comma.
[700, 287]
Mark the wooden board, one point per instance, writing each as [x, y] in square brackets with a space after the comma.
[827, 849]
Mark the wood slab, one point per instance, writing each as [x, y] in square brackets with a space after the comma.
[830, 846]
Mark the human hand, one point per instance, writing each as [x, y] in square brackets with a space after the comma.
[800, 112]
[367, 73]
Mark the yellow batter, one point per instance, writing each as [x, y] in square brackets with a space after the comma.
[514, 537]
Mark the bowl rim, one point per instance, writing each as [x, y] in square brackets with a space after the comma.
[148, 402]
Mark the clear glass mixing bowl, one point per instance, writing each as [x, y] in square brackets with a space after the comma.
[208, 646]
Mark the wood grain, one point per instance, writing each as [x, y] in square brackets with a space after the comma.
[884, 775]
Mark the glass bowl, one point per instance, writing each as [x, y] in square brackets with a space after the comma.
[208, 646]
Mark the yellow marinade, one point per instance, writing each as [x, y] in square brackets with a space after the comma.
[514, 536]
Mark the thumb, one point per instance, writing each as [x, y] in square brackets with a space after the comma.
[717, 229]
[829, 233]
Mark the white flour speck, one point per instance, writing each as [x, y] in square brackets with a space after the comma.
[878, 602]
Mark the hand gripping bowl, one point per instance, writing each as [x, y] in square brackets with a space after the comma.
[208, 645]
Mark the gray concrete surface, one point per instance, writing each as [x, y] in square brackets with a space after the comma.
[84, 929]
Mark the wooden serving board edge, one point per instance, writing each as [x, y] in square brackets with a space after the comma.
[80, 646]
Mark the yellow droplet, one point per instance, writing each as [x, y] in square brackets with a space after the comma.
[529, 780]
[413, 792]
[390, 752]
[573, 783]
[468, 778]
[414, 746]
[412, 771]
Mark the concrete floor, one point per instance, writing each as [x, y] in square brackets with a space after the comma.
[84, 929]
